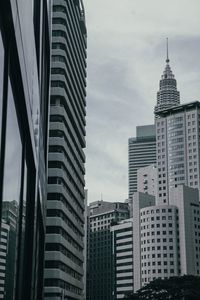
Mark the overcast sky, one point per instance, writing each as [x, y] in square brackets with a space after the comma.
[126, 57]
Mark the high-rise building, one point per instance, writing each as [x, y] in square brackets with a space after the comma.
[64, 253]
[100, 277]
[142, 152]
[24, 110]
[122, 235]
[6, 290]
[7, 247]
[178, 143]
[166, 236]
[167, 96]
[147, 180]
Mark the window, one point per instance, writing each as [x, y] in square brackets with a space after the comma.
[1, 80]
[12, 173]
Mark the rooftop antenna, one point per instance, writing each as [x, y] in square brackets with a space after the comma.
[101, 197]
[167, 60]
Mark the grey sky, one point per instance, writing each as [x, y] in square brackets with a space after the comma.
[126, 57]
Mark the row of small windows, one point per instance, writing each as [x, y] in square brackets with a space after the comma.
[164, 240]
[157, 218]
[158, 255]
[159, 263]
[106, 216]
[157, 248]
[170, 232]
[100, 228]
[171, 271]
[163, 210]
[146, 280]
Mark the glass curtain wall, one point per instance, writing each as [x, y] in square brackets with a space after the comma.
[1, 82]
[24, 107]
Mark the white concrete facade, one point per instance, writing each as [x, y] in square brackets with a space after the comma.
[147, 180]
[141, 200]
[178, 157]
[123, 255]
[186, 200]
[168, 235]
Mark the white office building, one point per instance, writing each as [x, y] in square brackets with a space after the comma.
[147, 180]
[178, 142]
[122, 234]
[166, 238]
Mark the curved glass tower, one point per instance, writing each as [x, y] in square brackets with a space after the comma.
[167, 96]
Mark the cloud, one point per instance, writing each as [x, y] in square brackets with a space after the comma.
[126, 57]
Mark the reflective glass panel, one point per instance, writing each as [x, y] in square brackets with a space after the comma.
[23, 224]
[11, 192]
[1, 80]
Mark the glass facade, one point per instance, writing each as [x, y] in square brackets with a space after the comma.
[24, 108]
[12, 182]
[1, 81]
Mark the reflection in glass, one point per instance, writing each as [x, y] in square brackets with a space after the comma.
[23, 224]
[11, 193]
[1, 81]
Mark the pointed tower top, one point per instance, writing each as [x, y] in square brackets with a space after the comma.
[167, 60]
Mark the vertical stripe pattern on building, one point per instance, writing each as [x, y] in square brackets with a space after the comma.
[65, 202]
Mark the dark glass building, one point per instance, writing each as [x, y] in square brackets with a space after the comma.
[64, 255]
[100, 258]
[24, 102]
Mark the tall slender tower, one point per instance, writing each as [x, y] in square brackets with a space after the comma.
[65, 200]
[167, 96]
[141, 153]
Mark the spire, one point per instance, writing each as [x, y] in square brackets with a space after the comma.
[167, 96]
[167, 60]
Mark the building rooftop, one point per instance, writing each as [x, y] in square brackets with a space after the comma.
[179, 108]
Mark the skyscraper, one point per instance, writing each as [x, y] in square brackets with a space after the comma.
[122, 235]
[100, 277]
[65, 200]
[24, 108]
[7, 248]
[167, 96]
[142, 153]
[178, 142]
[166, 237]
[166, 229]
[147, 180]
